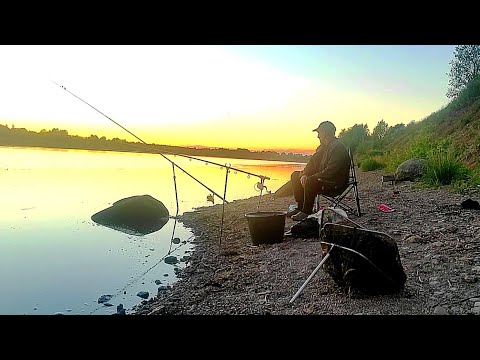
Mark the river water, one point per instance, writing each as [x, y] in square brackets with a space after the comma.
[55, 260]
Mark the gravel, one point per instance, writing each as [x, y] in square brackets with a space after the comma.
[438, 242]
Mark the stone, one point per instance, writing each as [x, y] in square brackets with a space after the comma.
[135, 215]
[411, 170]
[143, 294]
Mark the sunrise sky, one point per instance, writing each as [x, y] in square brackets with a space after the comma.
[237, 96]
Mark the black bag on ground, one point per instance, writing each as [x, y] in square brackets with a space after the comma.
[305, 229]
[370, 265]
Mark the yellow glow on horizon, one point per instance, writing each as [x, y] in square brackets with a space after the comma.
[284, 126]
[206, 96]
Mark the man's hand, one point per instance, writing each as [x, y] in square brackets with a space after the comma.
[303, 180]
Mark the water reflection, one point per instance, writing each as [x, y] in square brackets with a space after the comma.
[54, 258]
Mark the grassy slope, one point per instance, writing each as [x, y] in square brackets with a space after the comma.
[457, 124]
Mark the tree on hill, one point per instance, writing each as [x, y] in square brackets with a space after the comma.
[354, 136]
[380, 130]
[465, 68]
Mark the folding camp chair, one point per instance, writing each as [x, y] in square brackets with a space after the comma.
[348, 200]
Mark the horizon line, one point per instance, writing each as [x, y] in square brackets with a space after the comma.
[196, 146]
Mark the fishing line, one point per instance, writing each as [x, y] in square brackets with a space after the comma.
[262, 177]
[164, 152]
[176, 214]
[223, 206]
[166, 158]
[141, 275]
[175, 185]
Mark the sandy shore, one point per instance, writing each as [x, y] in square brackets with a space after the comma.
[438, 242]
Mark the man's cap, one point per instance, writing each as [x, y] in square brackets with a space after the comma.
[326, 125]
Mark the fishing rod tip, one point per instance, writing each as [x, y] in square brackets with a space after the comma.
[63, 87]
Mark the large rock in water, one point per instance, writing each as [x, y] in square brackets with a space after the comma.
[141, 214]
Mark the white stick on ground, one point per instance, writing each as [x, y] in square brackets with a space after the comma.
[311, 275]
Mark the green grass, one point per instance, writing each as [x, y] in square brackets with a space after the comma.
[371, 164]
[443, 168]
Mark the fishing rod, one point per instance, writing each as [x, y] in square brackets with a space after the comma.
[262, 177]
[214, 163]
[166, 158]
[228, 167]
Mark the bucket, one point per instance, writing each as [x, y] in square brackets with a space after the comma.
[266, 227]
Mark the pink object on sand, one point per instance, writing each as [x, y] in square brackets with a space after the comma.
[384, 208]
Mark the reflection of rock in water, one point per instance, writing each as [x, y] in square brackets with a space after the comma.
[135, 215]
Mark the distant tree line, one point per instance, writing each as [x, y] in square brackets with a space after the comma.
[463, 88]
[383, 147]
[57, 138]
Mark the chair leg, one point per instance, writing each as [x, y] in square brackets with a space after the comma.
[357, 201]
[358, 205]
[341, 201]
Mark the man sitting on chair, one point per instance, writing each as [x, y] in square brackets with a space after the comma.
[326, 172]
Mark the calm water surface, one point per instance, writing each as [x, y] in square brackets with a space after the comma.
[55, 259]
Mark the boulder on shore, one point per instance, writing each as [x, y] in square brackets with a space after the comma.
[411, 170]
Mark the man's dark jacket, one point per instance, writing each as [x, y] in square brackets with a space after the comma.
[330, 163]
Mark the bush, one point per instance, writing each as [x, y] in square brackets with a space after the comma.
[444, 169]
[470, 182]
[371, 164]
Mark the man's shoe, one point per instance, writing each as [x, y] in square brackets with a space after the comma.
[293, 212]
[300, 216]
